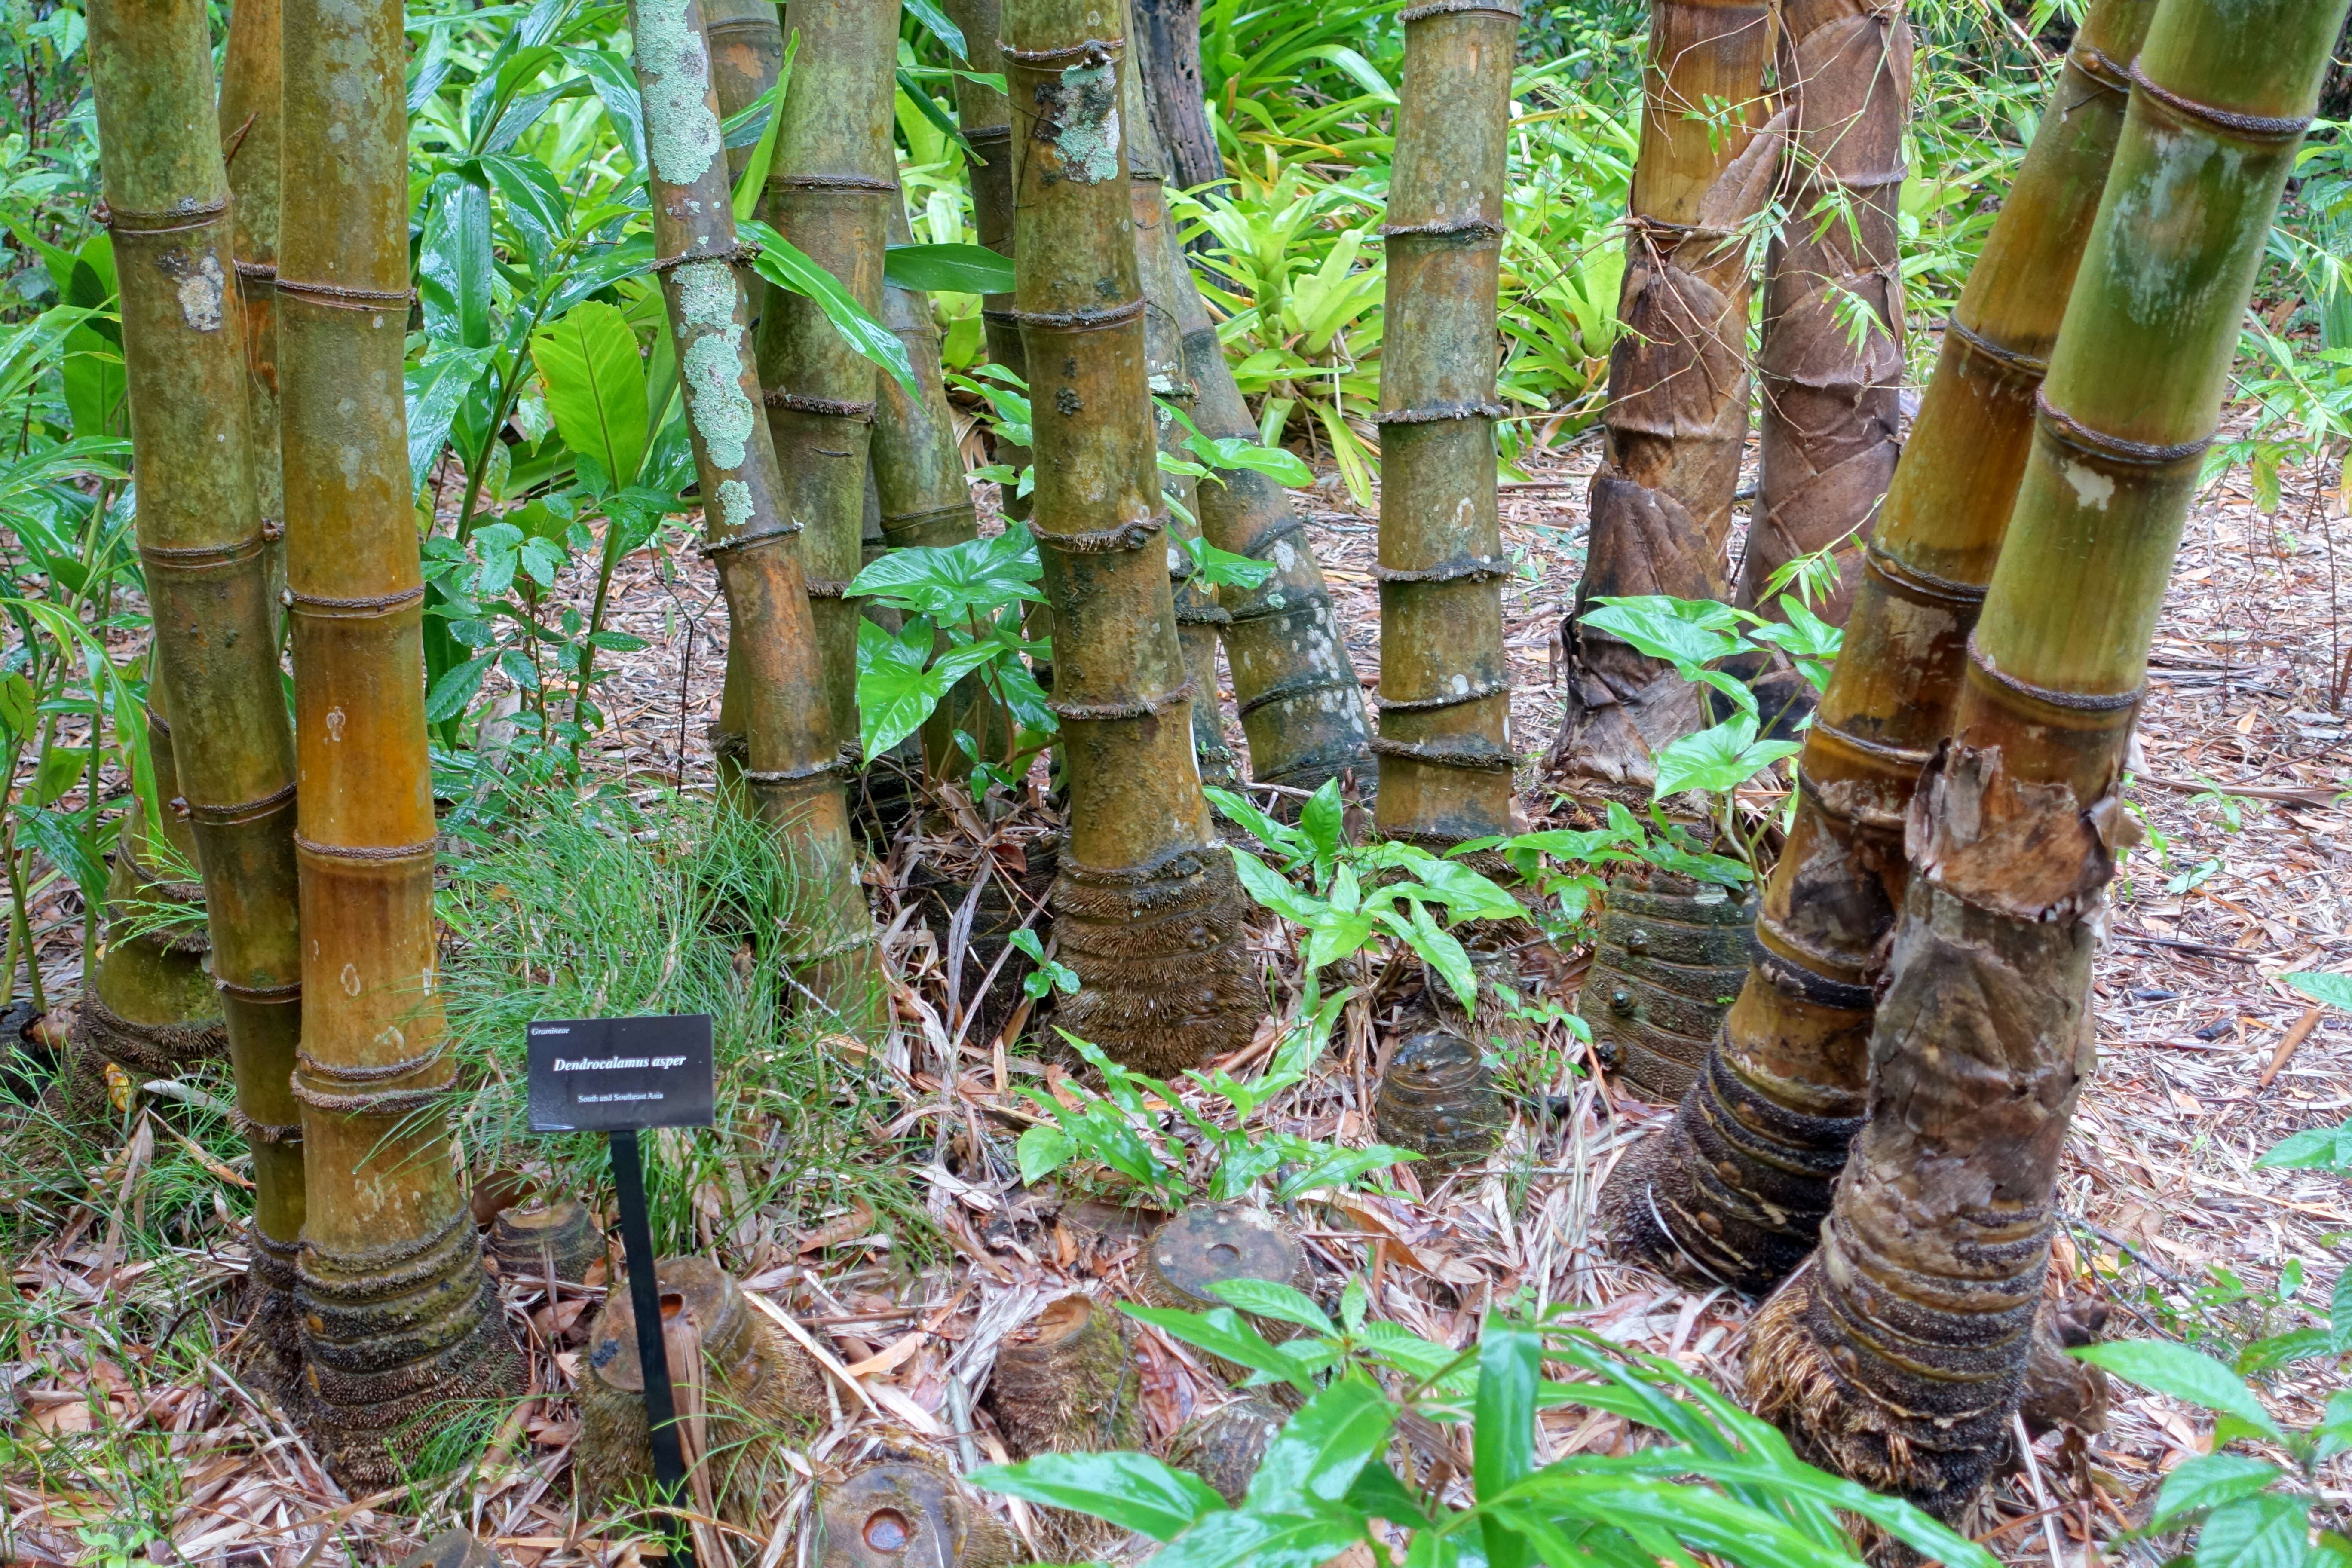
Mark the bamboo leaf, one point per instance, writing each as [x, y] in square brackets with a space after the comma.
[783, 264]
[596, 386]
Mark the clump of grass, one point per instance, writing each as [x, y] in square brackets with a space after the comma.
[680, 908]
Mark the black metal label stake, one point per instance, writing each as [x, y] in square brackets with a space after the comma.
[619, 1075]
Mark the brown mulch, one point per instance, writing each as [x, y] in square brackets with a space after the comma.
[2208, 1060]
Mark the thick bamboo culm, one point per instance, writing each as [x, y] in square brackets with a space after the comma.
[747, 52]
[985, 117]
[919, 472]
[205, 553]
[1676, 420]
[1444, 746]
[400, 1319]
[829, 192]
[1741, 1180]
[1148, 911]
[1830, 419]
[1897, 1354]
[793, 764]
[1162, 267]
[250, 79]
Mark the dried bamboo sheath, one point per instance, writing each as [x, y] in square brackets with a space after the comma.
[794, 763]
[204, 550]
[1899, 1353]
[1741, 1181]
[400, 1318]
[829, 192]
[1830, 417]
[1148, 909]
[1678, 415]
[1444, 704]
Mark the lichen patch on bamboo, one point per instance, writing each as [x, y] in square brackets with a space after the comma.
[1078, 113]
[682, 134]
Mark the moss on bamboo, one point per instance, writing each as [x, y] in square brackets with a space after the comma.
[1148, 909]
[204, 548]
[1445, 728]
[1737, 1188]
[1898, 1355]
[400, 1319]
[791, 774]
[829, 192]
[1828, 413]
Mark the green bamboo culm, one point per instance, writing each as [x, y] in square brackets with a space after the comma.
[1148, 909]
[829, 192]
[1897, 1354]
[923, 499]
[1444, 745]
[791, 776]
[204, 552]
[1735, 1192]
[747, 53]
[1161, 268]
[400, 1320]
[251, 76]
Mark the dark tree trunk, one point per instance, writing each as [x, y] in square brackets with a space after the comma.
[1167, 54]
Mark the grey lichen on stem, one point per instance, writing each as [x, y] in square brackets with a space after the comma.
[1148, 908]
[1899, 1354]
[1444, 748]
[793, 764]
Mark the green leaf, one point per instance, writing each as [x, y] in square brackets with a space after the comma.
[1689, 634]
[59, 836]
[1319, 1451]
[1442, 952]
[1321, 820]
[60, 768]
[1718, 759]
[928, 14]
[1272, 890]
[948, 269]
[455, 688]
[1279, 464]
[1378, 1494]
[1258, 824]
[952, 583]
[2314, 1149]
[896, 690]
[2333, 990]
[1272, 1298]
[1510, 1364]
[1221, 1332]
[2184, 1373]
[596, 386]
[1231, 1539]
[2266, 1530]
[1780, 1477]
[1134, 1492]
[752, 182]
[2208, 1481]
[437, 389]
[16, 706]
[1341, 1168]
[783, 264]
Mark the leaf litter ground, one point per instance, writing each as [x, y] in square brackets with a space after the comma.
[2206, 1062]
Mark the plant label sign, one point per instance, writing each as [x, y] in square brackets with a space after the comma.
[611, 1074]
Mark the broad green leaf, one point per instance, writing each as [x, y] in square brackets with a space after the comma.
[455, 688]
[1272, 890]
[2314, 1149]
[2334, 990]
[1258, 824]
[1510, 1364]
[1221, 1332]
[1232, 1540]
[1341, 1168]
[1440, 951]
[2208, 1481]
[1774, 1477]
[1698, 1517]
[951, 582]
[16, 706]
[1321, 819]
[928, 14]
[1272, 1298]
[615, 81]
[59, 769]
[60, 837]
[1134, 1492]
[1718, 759]
[453, 264]
[948, 269]
[783, 264]
[596, 386]
[435, 390]
[1378, 1494]
[2185, 1374]
[1686, 633]
[1277, 463]
[1319, 1451]
[2266, 1530]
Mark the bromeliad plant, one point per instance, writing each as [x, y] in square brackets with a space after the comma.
[1720, 1483]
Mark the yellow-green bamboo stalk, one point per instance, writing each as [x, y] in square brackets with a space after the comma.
[1740, 1181]
[401, 1323]
[204, 550]
[1148, 909]
[250, 82]
[1445, 745]
[792, 775]
[829, 192]
[1898, 1354]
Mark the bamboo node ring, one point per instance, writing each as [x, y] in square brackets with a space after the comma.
[1911, 582]
[1132, 534]
[1477, 693]
[2253, 127]
[1488, 759]
[238, 814]
[1793, 979]
[1086, 712]
[1461, 569]
[1452, 8]
[743, 254]
[827, 184]
[835, 407]
[2099, 66]
[1093, 52]
[260, 994]
[336, 1072]
[365, 851]
[335, 296]
[828, 588]
[2064, 428]
[353, 609]
[2050, 697]
[1438, 413]
[1080, 320]
[2020, 364]
[713, 549]
[122, 220]
[1288, 689]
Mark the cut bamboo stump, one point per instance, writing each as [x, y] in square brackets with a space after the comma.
[1065, 1382]
[543, 1236]
[454, 1549]
[753, 1379]
[1438, 1099]
[1225, 1446]
[1666, 965]
[902, 1515]
[1209, 1244]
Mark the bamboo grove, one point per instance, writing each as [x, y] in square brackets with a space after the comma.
[1002, 712]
